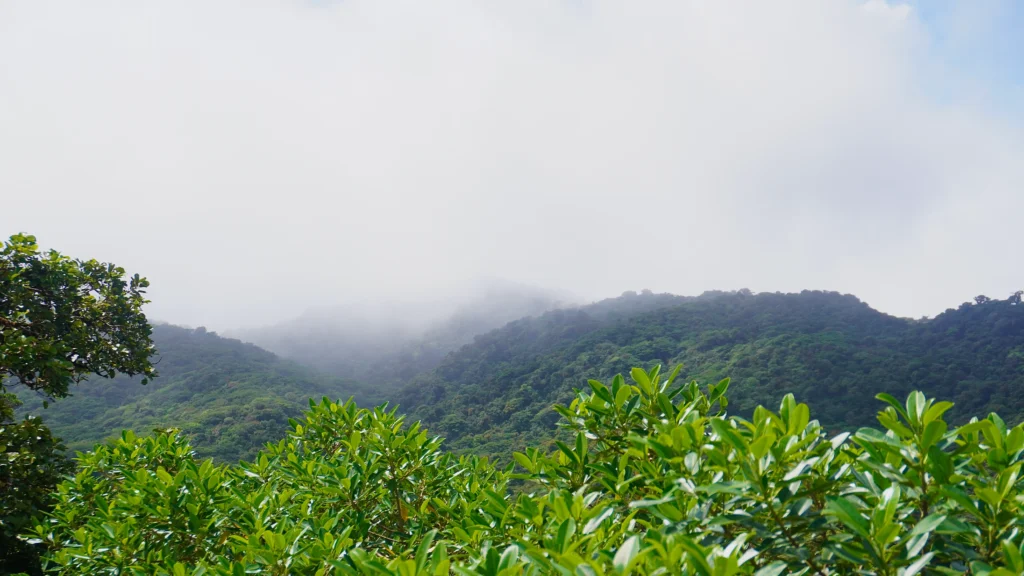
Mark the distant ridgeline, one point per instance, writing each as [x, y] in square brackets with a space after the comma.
[230, 397]
[832, 351]
[495, 393]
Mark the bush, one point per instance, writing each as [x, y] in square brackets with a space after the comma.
[31, 464]
[657, 480]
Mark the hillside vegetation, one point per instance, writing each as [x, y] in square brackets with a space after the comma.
[229, 397]
[496, 393]
[831, 350]
[657, 479]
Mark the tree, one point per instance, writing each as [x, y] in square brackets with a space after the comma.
[61, 320]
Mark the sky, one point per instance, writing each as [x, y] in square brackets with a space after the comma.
[255, 158]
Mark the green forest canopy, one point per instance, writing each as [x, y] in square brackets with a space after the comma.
[657, 479]
[495, 394]
[231, 398]
[831, 350]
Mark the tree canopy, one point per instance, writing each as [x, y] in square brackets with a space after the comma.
[62, 319]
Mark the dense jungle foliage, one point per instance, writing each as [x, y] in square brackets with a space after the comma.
[658, 479]
[230, 398]
[831, 350]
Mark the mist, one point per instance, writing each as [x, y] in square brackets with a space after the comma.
[260, 159]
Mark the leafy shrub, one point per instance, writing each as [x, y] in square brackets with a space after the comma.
[31, 464]
[659, 480]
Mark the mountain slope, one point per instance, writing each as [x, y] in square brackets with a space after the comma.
[833, 351]
[230, 396]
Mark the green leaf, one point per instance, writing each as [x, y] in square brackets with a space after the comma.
[600, 390]
[895, 425]
[936, 411]
[423, 550]
[641, 379]
[762, 445]
[849, 515]
[524, 461]
[915, 407]
[718, 390]
[1012, 556]
[877, 438]
[675, 372]
[928, 523]
[939, 465]
[595, 522]
[622, 395]
[917, 565]
[567, 451]
[799, 418]
[933, 432]
[773, 569]
[626, 553]
[509, 559]
[728, 434]
[565, 532]
[164, 477]
[892, 401]
[696, 556]
[973, 428]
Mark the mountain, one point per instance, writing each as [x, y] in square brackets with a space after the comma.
[230, 397]
[833, 351]
[386, 345]
[495, 392]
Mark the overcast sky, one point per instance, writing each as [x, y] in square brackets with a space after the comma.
[253, 158]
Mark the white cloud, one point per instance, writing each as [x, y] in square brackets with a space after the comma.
[253, 158]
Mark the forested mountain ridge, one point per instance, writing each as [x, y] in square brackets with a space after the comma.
[228, 396]
[833, 351]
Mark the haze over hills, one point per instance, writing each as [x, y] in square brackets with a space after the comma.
[233, 397]
[387, 343]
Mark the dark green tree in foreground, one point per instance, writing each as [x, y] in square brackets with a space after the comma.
[61, 320]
